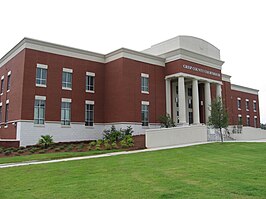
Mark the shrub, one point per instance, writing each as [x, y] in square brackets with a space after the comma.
[69, 148]
[99, 142]
[127, 141]
[61, 147]
[1, 150]
[123, 143]
[112, 134]
[127, 131]
[97, 146]
[107, 146]
[22, 148]
[42, 151]
[166, 121]
[92, 144]
[45, 140]
[80, 147]
[89, 148]
[114, 145]
[21, 151]
[7, 152]
[57, 149]
[33, 150]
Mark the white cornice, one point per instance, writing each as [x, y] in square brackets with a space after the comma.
[135, 55]
[226, 78]
[203, 79]
[244, 89]
[80, 54]
[193, 57]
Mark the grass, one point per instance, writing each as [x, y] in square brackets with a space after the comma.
[51, 156]
[229, 170]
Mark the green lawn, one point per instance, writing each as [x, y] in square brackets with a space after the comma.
[229, 170]
[51, 156]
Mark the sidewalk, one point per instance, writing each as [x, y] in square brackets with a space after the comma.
[110, 154]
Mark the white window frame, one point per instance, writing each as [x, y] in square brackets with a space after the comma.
[8, 81]
[64, 121]
[68, 71]
[143, 90]
[42, 67]
[239, 100]
[255, 107]
[87, 114]
[248, 117]
[238, 121]
[37, 117]
[92, 75]
[2, 85]
[145, 104]
[247, 107]
[255, 123]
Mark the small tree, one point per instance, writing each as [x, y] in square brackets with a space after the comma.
[219, 116]
[46, 140]
[166, 121]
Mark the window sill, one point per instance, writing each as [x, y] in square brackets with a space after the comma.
[247, 109]
[1, 93]
[89, 91]
[239, 109]
[145, 92]
[65, 126]
[65, 88]
[41, 85]
[8, 91]
[5, 126]
[39, 125]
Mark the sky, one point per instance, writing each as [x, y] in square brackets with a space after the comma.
[236, 27]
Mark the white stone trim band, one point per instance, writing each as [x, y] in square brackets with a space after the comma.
[90, 74]
[68, 70]
[145, 102]
[66, 100]
[89, 102]
[38, 97]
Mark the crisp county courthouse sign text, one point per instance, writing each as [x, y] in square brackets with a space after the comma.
[194, 68]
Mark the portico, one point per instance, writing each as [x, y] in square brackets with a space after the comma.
[182, 98]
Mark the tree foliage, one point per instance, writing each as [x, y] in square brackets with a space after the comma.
[219, 116]
[45, 140]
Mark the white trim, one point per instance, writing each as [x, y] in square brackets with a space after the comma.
[239, 115]
[254, 101]
[3, 77]
[9, 73]
[89, 102]
[145, 103]
[68, 70]
[226, 78]
[244, 89]
[43, 66]
[90, 74]
[41, 85]
[193, 77]
[134, 55]
[1, 103]
[66, 88]
[255, 117]
[39, 97]
[248, 116]
[89, 91]
[247, 100]
[7, 101]
[145, 92]
[66, 100]
[145, 75]
[238, 98]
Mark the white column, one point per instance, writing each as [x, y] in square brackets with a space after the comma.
[168, 96]
[218, 90]
[181, 98]
[195, 100]
[207, 89]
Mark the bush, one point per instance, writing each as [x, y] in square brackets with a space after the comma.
[89, 148]
[21, 151]
[7, 152]
[112, 134]
[107, 146]
[92, 144]
[61, 147]
[80, 147]
[99, 142]
[69, 148]
[114, 145]
[166, 121]
[57, 149]
[42, 151]
[127, 131]
[127, 142]
[97, 146]
[1, 150]
[22, 148]
[45, 140]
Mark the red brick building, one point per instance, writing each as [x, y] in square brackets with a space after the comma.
[74, 94]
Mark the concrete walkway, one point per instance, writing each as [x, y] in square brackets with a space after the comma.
[35, 162]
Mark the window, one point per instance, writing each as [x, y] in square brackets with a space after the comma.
[65, 111]
[2, 84]
[190, 92]
[6, 115]
[67, 79]
[247, 104]
[89, 113]
[255, 121]
[41, 75]
[145, 113]
[8, 81]
[248, 120]
[240, 120]
[189, 103]
[144, 83]
[254, 105]
[239, 103]
[90, 82]
[39, 110]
